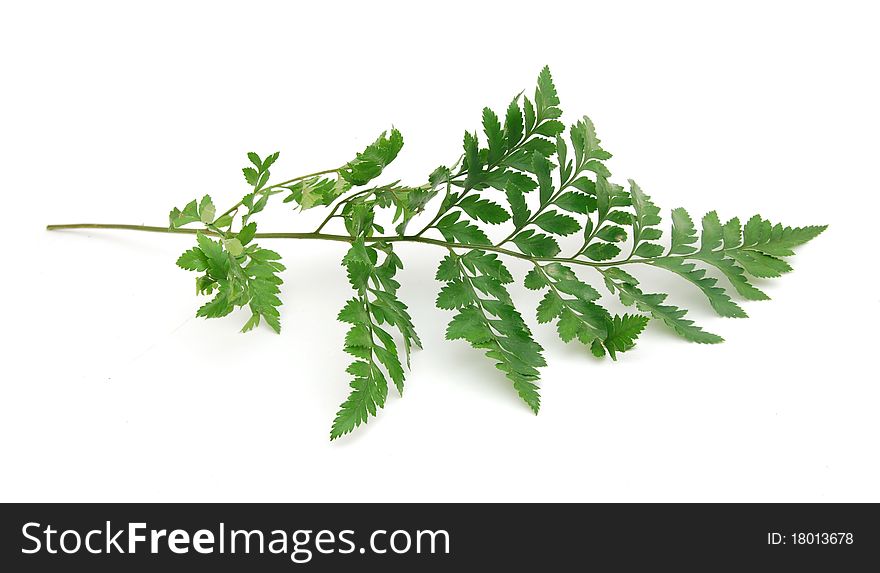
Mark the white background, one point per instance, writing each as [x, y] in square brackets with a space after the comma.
[111, 390]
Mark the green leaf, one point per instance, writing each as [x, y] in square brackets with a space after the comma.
[717, 296]
[471, 325]
[367, 340]
[472, 163]
[568, 326]
[223, 221]
[579, 317]
[597, 168]
[783, 240]
[387, 355]
[712, 235]
[454, 230]
[455, 294]
[247, 233]
[545, 95]
[261, 181]
[193, 260]
[217, 307]
[267, 163]
[252, 323]
[190, 214]
[550, 128]
[513, 124]
[671, 316]
[309, 195]
[494, 136]
[369, 390]
[735, 274]
[611, 234]
[623, 332]
[756, 231]
[604, 191]
[518, 208]
[557, 223]
[353, 312]
[439, 176]
[536, 244]
[539, 146]
[483, 210]
[573, 202]
[251, 175]
[264, 299]
[529, 113]
[545, 182]
[243, 277]
[263, 255]
[760, 265]
[549, 307]
[492, 324]
[732, 233]
[602, 251]
[565, 166]
[684, 234]
[649, 250]
[567, 281]
[585, 142]
[487, 264]
[448, 269]
[370, 163]
[585, 185]
[776, 240]
[207, 211]
[218, 262]
[620, 217]
[519, 182]
[233, 247]
[535, 280]
[646, 213]
[315, 191]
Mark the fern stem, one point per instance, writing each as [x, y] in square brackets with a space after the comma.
[349, 239]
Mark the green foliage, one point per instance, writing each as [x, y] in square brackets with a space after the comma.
[524, 187]
[377, 356]
[487, 319]
[195, 212]
[572, 303]
[673, 317]
[684, 234]
[371, 161]
[622, 332]
[646, 221]
[718, 297]
[316, 191]
[461, 231]
[536, 244]
[484, 210]
[258, 175]
[238, 274]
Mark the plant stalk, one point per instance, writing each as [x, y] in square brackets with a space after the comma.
[349, 239]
